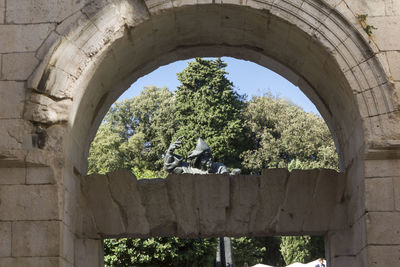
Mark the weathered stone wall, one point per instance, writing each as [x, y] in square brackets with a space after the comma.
[274, 203]
[62, 64]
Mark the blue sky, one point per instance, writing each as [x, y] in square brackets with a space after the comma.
[247, 77]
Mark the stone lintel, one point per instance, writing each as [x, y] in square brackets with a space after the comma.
[276, 202]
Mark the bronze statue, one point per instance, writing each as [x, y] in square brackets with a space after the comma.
[200, 160]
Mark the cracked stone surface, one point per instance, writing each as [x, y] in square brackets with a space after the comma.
[41, 108]
[276, 202]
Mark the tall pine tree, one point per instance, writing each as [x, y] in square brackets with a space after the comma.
[207, 105]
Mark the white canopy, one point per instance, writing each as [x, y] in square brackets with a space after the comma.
[262, 265]
[310, 264]
[296, 264]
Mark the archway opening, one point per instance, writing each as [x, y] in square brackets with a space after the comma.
[266, 117]
[149, 121]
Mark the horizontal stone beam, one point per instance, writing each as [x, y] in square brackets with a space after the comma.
[277, 202]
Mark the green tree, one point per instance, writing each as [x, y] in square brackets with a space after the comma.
[285, 136]
[162, 251]
[301, 249]
[134, 134]
[253, 250]
[207, 104]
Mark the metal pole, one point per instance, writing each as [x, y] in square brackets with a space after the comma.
[228, 252]
[224, 256]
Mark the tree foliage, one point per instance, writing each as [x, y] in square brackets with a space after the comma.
[253, 250]
[162, 251]
[208, 105]
[134, 134]
[285, 136]
[301, 249]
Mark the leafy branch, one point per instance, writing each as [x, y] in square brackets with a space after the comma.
[362, 19]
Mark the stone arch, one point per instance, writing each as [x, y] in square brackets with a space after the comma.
[112, 45]
[100, 50]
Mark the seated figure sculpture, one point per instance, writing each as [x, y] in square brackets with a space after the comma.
[200, 160]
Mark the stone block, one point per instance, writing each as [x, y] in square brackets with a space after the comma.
[154, 196]
[36, 238]
[374, 75]
[88, 227]
[396, 187]
[133, 12]
[18, 66]
[94, 40]
[181, 190]
[372, 8]
[379, 101]
[55, 135]
[353, 237]
[105, 17]
[23, 38]
[5, 240]
[383, 228]
[262, 5]
[315, 13]
[393, 58]
[339, 217]
[329, 185]
[29, 202]
[106, 212]
[344, 260]
[70, 211]
[12, 176]
[379, 194]
[367, 104]
[362, 257]
[74, 22]
[332, 3]
[393, 8]
[386, 26]
[55, 82]
[43, 157]
[47, 48]
[179, 3]
[88, 252]
[73, 25]
[78, 216]
[342, 54]
[243, 200]
[14, 92]
[212, 194]
[383, 256]
[124, 190]
[2, 11]
[65, 263]
[157, 6]
[40, 175]
[355, 201]
[68, 244]
[30, 262]
[272, 191]
[382, 58]
[40, 11]
[382, 168]
[298, 201]
[72, 181]
[41, 108]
